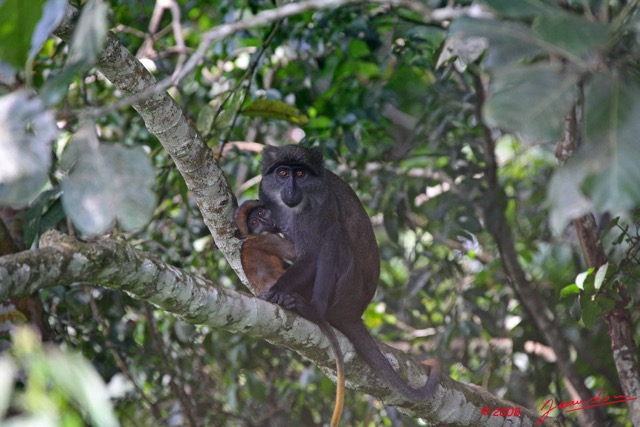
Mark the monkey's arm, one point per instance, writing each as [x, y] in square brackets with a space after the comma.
[310, 295]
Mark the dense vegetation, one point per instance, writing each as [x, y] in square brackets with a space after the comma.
[494, 145]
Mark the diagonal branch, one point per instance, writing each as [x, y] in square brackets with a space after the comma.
[62, 260]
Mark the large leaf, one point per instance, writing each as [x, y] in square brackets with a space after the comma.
[612, 127]
[607, 166]
[26, 133]
[572, 33]
[523, 8]
[19, 20]
[531, 100]
[106, 183]
[508, 42]
[275, 110]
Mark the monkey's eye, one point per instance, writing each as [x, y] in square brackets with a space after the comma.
[282, 172]
[261, 213]
[300, 173]
[254, 223]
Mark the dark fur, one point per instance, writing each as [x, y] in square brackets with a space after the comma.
[337, 265]
[264, 259]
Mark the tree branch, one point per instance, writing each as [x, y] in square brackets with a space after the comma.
[61, 260]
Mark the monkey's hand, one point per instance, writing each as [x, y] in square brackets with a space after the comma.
[293, 302]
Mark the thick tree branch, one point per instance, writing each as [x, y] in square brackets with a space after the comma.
[116, 265]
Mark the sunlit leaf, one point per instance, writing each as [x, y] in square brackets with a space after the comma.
[582, 277]
[275, 110]
[600, 276]
[569, 290]
[107, 183]
[26, 133]
[531, 100]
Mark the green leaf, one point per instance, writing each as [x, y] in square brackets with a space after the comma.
[569, 290]
[52, 14]
[86, 44]
[26, 133]
[90, 33]
[78, 378]
[206, 118]
[16, 28]
[107, 183]
[532, 100]
[612, 126]
[508, 42]
[590, 311]
[35, 215]
[523, 8]
[275, 110]
[571, 32]
[358, 49]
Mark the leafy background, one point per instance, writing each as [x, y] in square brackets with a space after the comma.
[402, 108]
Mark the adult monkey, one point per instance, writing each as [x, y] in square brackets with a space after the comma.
[337, 266]
[264, 259]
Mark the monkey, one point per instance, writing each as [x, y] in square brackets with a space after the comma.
[337, 265]
[264, 259]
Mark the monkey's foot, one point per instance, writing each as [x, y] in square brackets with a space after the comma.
[290, 301]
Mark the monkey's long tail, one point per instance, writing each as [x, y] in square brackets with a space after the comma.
[333, 340]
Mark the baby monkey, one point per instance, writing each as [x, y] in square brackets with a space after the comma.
[265, 255]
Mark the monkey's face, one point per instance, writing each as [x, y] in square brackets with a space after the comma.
[259, 221]
[291, 181]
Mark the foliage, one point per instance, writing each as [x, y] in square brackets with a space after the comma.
[397, 106]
